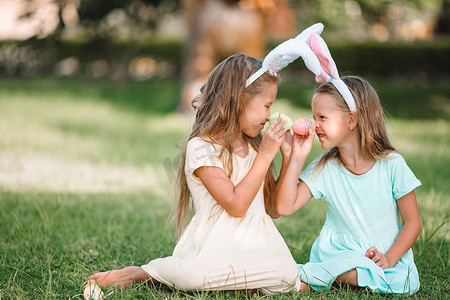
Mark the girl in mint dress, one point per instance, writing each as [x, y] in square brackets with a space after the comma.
[373, 218]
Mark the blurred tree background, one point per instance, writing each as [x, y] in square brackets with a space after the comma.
[127, 40]
[89, 128]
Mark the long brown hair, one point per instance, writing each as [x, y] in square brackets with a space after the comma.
[371, 119]
[218, 116]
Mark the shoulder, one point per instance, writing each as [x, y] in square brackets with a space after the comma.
[201, 153]
[200, 145]
[395, 165]
[393, 155]
[316, 176]
[393, 159]
[317, 167]
[401, 176]
[195, 141]
[316, 161]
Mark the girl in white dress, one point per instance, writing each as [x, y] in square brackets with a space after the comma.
[231, 242]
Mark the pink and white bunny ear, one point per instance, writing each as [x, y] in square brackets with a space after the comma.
[316, 55]
[329, 72]
[287, 52]
[320, 49]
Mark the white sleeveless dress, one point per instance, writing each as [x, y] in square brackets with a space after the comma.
[221, 252]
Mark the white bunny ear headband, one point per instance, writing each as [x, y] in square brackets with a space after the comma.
[314, 51]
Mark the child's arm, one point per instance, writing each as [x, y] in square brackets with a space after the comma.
[286, 149]
[407, 236]
[237, 199]
[292, 195]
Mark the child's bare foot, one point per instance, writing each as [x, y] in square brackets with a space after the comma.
[123, 277]
[106, 279]
[304, 287]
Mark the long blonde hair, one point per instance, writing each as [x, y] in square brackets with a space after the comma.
[371, 119]
[218, 116]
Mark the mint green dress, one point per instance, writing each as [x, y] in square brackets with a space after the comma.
[362, 212]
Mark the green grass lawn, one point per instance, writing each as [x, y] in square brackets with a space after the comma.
[86, 174]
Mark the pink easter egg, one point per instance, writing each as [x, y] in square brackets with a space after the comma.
[303, 125]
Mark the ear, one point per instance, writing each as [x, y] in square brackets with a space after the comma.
[352, 120]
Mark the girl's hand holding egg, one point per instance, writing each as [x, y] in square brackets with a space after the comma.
[300, 127]
[303, 126]
[275, 116]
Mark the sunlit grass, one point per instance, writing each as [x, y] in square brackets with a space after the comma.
[60, 144]
[86, 174]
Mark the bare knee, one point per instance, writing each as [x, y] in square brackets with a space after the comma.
[350, 277]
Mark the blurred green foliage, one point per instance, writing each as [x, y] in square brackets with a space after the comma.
[338, 14]
[116, 32]
[420, 60]
[387, 59]
[335, 14]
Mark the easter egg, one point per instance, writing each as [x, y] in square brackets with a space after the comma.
[275, 116]
[303, 125]
[265, 127]
[92, 292]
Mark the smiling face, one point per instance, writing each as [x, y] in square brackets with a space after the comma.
[257, 111]
[332, 124]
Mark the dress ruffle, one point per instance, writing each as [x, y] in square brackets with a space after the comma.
[202, 259]
[334, 253]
